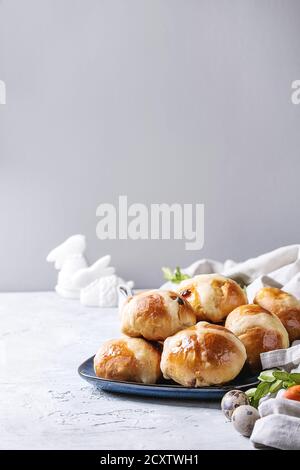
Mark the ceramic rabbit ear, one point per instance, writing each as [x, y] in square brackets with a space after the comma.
[86, 276]
[126, 289]
[74, 245]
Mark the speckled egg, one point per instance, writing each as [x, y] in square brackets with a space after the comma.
[232, 400]
[244, 418]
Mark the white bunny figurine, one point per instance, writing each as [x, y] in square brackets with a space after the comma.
[98, 284]
[68, 258]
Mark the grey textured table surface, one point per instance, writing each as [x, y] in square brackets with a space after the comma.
[44, 404]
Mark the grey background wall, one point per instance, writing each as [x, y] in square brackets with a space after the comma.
[161, 100]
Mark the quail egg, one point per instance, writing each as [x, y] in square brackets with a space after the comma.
[244, 418]
[232, 400]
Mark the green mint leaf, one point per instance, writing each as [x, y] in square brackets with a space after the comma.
[288, 384]
[261, 391]
[168, 275]
[177, 273]
[267, 375]
[276, 386]
[295, 377]
[281, 375]
[174, 276]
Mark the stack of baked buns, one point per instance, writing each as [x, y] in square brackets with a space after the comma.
[203, 334]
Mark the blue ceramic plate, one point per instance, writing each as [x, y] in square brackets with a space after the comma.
[164, 389]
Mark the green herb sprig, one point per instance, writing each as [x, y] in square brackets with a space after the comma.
[175, 276]
[271, 381]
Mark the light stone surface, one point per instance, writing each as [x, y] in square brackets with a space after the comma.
[44, 404]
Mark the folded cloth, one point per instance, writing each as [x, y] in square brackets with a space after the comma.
[264, 264]
[259, 283]
[280, 406]
[252, 268]
[293, 285]
[279, 425]
[287, 359]
[279, 431]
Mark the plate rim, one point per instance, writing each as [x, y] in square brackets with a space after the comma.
[163, 387]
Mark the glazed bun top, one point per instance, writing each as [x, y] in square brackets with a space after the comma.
[284, 305]
[156, 314]
[243, 318]
[202, 355]
[259, 330]
[128, 359]
[212, 296]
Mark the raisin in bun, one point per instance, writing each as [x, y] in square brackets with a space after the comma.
[284, 305]
[212, 296]
[202, 355]
[156, 314]
[129, 359]
[259, 330]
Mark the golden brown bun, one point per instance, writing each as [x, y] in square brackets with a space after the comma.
[259, 330]
[202, 355]
[156, 314]
[212, 296]
[129, 359]
[284, 305]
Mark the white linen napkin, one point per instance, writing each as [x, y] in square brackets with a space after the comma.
[267, 263]
[279, 425]
[279, 431]
[252, 268]
[287, 359]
